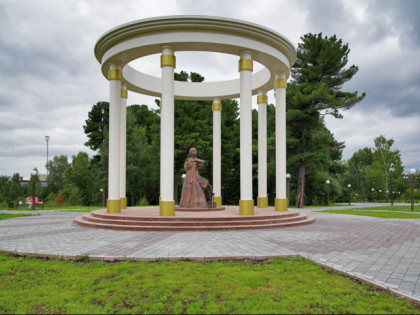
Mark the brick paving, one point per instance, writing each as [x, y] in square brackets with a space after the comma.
[382, 251]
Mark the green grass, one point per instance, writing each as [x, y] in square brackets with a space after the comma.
[393, 208]
[286, 285]
[63, 208]
[378, 214]
[8, 215]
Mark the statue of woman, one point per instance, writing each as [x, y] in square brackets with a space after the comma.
[193, 190]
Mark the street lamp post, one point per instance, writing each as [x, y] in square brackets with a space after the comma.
[412, 174]
[391, 171]
[405, 178]
[47, 138]
[103, 197]
[328, 191]
[380, 195]
[373, 191]
[288, 177]
[33, 173]
[349, 186]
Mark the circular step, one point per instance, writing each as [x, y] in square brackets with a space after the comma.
[148, 219]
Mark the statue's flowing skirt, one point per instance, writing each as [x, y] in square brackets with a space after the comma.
[193, 195]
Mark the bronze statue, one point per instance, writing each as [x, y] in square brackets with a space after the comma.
[193, 195]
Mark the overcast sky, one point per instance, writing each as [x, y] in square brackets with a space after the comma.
[50, 78]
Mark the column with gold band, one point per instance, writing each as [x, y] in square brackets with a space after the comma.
[246, 202]
[123, 146]
[115, 77]
[262, 201]
[217, 152]
[167, 203]
[281, 193]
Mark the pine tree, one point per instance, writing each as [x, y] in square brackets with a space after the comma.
[318, 77]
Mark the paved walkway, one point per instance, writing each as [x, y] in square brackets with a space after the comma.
[383, 251]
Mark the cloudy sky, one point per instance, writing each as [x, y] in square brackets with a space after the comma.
[50, 78]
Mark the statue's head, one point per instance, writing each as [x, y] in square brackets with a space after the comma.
[193, 151]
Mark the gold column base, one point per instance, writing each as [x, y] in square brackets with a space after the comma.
[218, 201]
[113, 206]
[246, 207]
[281, 204]
[262, 202]
[123, 202]
[167, 208]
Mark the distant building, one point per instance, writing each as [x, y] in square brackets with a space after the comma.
[42, 179]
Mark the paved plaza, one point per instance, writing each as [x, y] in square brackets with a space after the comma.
[383, 251]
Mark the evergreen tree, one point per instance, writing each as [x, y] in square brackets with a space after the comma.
[319, 74]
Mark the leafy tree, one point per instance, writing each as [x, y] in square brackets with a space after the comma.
[142, 165]
[57, 169]
[385, 158]
[318, 76]
[16, 190]
[78, 182]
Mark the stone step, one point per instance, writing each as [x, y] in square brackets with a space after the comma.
[104, 215]
[146, 227]
[195, 221]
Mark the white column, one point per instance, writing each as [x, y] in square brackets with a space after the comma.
[262, 201]
[167, 203]
[217, 152]
[123, 146]
[246, 203]
[280, 85]
[114, 77]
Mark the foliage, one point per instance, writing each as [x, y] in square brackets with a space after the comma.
[78, 181]
[286, 285]
[57, 170]
[96, 126]
[368, 171]
[319, 74]
[59, 200]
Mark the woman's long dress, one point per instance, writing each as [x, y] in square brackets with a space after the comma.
[193, 190]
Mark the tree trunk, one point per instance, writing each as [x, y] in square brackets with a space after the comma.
[300, 191]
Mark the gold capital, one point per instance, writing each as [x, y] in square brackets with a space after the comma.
[217, 106]
[280, 83]
[167, 60]
[245, 64]
[262, 99]
[124, 93]
[114, 74]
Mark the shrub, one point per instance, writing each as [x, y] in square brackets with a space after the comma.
[143, 202]
[59, 200]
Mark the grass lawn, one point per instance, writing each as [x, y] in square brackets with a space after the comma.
[8, 215]
[63, 208]
[378, 214]
[286, 285]
[393, 208]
